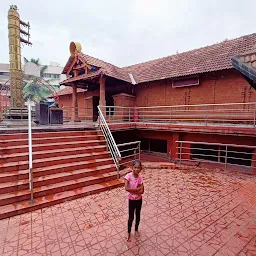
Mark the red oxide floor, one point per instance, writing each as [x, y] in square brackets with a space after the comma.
[184, 212]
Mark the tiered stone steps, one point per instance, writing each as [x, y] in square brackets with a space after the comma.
[66, 165]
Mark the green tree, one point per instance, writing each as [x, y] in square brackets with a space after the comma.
[36, 88]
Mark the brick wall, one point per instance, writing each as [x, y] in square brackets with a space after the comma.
[226, 86]
[66, 102]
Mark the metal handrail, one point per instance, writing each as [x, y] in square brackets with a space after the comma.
[208, 114]
[217, 144]
[195, 105]
[222, 154]
[135, 152]
[30, 150]
[114, 151]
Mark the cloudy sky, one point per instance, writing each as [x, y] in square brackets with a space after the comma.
[125, 32]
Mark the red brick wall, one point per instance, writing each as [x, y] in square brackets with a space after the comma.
[226, 86]
[66, 102]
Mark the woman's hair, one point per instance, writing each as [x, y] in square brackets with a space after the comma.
[137, 161]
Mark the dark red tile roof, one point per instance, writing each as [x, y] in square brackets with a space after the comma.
[81, 77]
[104, 67]
[66, 91]
[206, 59]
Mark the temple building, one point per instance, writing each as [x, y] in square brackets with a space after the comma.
[213, 84]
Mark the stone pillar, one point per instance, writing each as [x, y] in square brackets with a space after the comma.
[103, 95]
[74, 117]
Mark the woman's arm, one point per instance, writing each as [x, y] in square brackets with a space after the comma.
[131, 190]
[141, 189]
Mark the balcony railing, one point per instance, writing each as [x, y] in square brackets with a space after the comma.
[204, 114]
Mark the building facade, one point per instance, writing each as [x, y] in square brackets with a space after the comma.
[192, 98]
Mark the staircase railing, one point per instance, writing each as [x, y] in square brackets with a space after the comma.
[130, 151]
[30, 150]
[114, 151]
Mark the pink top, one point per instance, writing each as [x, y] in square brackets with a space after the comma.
[133, 183]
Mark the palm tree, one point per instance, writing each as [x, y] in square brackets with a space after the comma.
[34, 90]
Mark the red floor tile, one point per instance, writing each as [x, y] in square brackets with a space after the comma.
[185, 212]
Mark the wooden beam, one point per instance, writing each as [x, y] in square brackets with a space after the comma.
[75, 73]
[85, 64]
[71, 66]
[82, 66]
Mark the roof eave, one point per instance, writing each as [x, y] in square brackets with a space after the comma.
[180, 76]
[244, 68]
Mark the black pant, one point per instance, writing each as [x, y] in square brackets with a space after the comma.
[134, 205]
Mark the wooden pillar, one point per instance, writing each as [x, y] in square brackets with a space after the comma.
[103, 95]
[75, 117]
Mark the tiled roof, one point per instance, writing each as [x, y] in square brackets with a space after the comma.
[105, 68]
[81, 77]
[66, 91]
[206, 59]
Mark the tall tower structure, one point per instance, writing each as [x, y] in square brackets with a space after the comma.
[15, 39]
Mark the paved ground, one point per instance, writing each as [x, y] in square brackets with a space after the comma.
[185, 212]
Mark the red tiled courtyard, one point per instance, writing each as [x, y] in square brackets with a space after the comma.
[186, 211]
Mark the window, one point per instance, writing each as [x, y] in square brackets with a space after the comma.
[56, 76]
[47, 75]
[187, 81]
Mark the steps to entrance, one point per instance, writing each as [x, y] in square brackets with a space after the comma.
[66, 165]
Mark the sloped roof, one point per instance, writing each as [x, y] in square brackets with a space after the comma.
[81, 77]
[66, 91]
[104, 67]
[206, 59]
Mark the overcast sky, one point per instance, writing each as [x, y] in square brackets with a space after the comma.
[125, 32]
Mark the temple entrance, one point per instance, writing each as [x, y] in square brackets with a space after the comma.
[95, 103]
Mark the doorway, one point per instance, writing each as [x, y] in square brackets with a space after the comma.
[95, 103]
